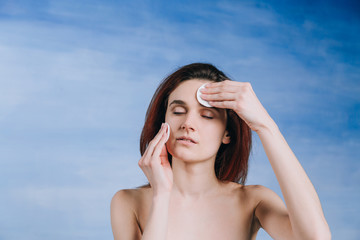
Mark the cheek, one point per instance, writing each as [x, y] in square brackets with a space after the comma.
[173, 126]
[213, 139]
[174, 122]
[213, 135]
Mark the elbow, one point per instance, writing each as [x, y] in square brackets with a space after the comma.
[323, 235]
[319, 235]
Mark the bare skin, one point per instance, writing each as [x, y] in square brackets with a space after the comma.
[187, 201]
[228, 214]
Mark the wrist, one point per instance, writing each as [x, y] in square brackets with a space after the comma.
[159, 196]
[161, 201]
[269, 127]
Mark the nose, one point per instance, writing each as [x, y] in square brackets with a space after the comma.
[188, 123]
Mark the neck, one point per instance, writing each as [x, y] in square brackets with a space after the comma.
[194, 179]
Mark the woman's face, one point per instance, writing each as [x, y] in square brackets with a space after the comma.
[196, 132]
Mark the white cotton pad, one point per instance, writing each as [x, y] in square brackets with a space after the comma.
[200, 100]
[168, 132]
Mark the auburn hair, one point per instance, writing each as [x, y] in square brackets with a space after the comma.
[231, 162]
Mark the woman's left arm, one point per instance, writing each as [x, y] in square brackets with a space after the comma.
[303, 218]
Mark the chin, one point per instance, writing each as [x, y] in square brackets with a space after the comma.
[189, 154]
[189, 157]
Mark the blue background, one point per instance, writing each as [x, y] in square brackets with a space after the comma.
[76, 78]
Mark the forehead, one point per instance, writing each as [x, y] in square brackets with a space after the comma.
[186, 92]
[187, 89]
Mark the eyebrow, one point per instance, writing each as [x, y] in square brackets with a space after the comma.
[181, 102]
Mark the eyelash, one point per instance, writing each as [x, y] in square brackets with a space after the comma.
[179, 113]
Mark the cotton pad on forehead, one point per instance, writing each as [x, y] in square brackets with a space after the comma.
[200, 100]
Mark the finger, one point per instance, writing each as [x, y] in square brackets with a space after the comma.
[223, 104]
[222, 96]
[164, 152]
[224, 86]
[145, 159]
[158, 148]
[155, 140]
[219, 84]
[226, 82]
[221, 87]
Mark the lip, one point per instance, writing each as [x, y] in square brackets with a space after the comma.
[186, 140]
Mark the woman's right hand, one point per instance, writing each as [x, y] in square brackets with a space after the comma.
[155, 164]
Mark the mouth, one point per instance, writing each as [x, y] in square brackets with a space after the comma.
[186, 140]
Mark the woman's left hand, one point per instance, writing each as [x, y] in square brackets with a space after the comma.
[240, 97]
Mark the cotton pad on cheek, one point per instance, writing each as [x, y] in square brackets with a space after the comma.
[167, 131]
[200, 100]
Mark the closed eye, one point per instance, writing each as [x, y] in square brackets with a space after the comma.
[207, 114]
[178, 110]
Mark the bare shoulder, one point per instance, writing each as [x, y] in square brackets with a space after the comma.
[123, 195]
[126, 194]
[258, 191]
[131, 197]
[249, 190]
[254, 194]
[262, 194]
[123, 211]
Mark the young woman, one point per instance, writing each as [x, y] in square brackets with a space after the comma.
[197, 177]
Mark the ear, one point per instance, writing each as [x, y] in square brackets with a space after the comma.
[226, 138]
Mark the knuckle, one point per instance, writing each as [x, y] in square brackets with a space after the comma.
[141, 161]
[248, 85]
[151, 143]
[152, 164]
[144, 161]
[240, 97]
[239, 106]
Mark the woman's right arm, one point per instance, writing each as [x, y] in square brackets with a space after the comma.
[156, 226]
[157, 169]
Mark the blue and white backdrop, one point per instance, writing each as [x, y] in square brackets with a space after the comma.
[76, 78]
